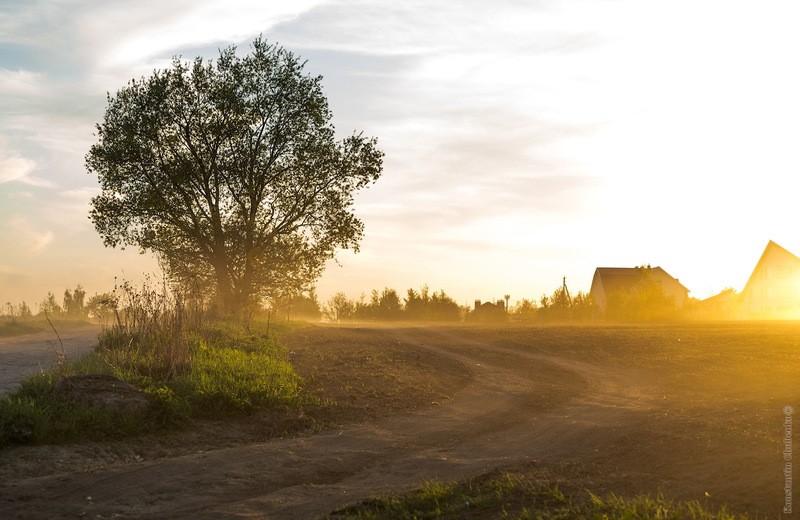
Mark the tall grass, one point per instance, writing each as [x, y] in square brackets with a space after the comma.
[152, 331]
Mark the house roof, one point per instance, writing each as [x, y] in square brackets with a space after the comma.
[625, 278]
[771, 247]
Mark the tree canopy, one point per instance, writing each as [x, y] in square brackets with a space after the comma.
[230, 172]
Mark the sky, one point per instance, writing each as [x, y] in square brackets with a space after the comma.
[524, 141]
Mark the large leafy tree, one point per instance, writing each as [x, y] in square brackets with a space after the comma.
[229, 170]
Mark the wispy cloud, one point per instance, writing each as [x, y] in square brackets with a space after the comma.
[18, 237]
[15, 168]
[15, 82]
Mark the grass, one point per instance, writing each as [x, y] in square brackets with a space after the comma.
[186, 367]
[509, 495]
[15, 328]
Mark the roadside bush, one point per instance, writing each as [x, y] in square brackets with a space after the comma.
[238, 375]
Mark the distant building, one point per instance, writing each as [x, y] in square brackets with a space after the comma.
[489, 311]
[722, 306]
[773, 290]
[609, 280]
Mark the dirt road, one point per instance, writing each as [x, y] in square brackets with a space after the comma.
[21, 356]
[611, 425]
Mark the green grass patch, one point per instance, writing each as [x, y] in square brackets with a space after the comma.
[220, 372]
[510, 495]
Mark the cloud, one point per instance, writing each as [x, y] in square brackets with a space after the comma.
[15, 168]
[20, 82]
[20, 237]
[81, 194]
[134, 33]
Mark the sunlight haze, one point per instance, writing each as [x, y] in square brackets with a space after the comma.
[524, 142]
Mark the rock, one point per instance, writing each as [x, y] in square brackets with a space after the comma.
[102, 391]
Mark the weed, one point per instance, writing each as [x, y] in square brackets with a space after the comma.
[187, 369]
[511, 495]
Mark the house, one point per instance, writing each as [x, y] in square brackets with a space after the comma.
[722, 306]
[489, 311]
[610, 280]
[773, 290]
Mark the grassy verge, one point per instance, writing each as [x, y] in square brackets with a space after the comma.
[504, 494]
[17, 328]
[219, 372]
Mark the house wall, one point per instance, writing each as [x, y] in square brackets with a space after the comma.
[597, 292]
[773, 291]
[672, 287]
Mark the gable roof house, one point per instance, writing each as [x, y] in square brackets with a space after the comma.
[609, 280]
[773, 290]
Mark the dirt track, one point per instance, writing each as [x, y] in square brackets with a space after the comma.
[613, 426]
[22, 356]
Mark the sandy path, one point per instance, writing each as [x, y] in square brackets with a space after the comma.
[518, 405]
[21, 356]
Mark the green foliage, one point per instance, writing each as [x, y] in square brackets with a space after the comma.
[29, 419]
[227, 381]
[186, 367]
[230, 172]
[510, 495]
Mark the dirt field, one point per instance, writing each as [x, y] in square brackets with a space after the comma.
[693, 412]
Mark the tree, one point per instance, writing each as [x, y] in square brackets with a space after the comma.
[49, 306]
[339, 308]
[384, 305]
[524, 310]
[230, 173]
[74, 303]
[102, 306]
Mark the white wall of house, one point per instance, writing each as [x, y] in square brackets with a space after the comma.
[773, 290]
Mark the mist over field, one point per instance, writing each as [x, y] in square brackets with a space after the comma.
[398, 259]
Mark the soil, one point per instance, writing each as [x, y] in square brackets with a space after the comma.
[695, 412]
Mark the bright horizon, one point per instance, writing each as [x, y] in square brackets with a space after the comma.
[522, 144]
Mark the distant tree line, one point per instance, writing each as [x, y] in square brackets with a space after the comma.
[387, 305]
[559, 306]
[647, 302]
[74, 306]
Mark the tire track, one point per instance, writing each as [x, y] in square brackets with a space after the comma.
[517, 404]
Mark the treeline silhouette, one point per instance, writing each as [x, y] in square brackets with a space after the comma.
[559, 306]
[646, 303]
[386, 305]
[74, 305]
[426, 306]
